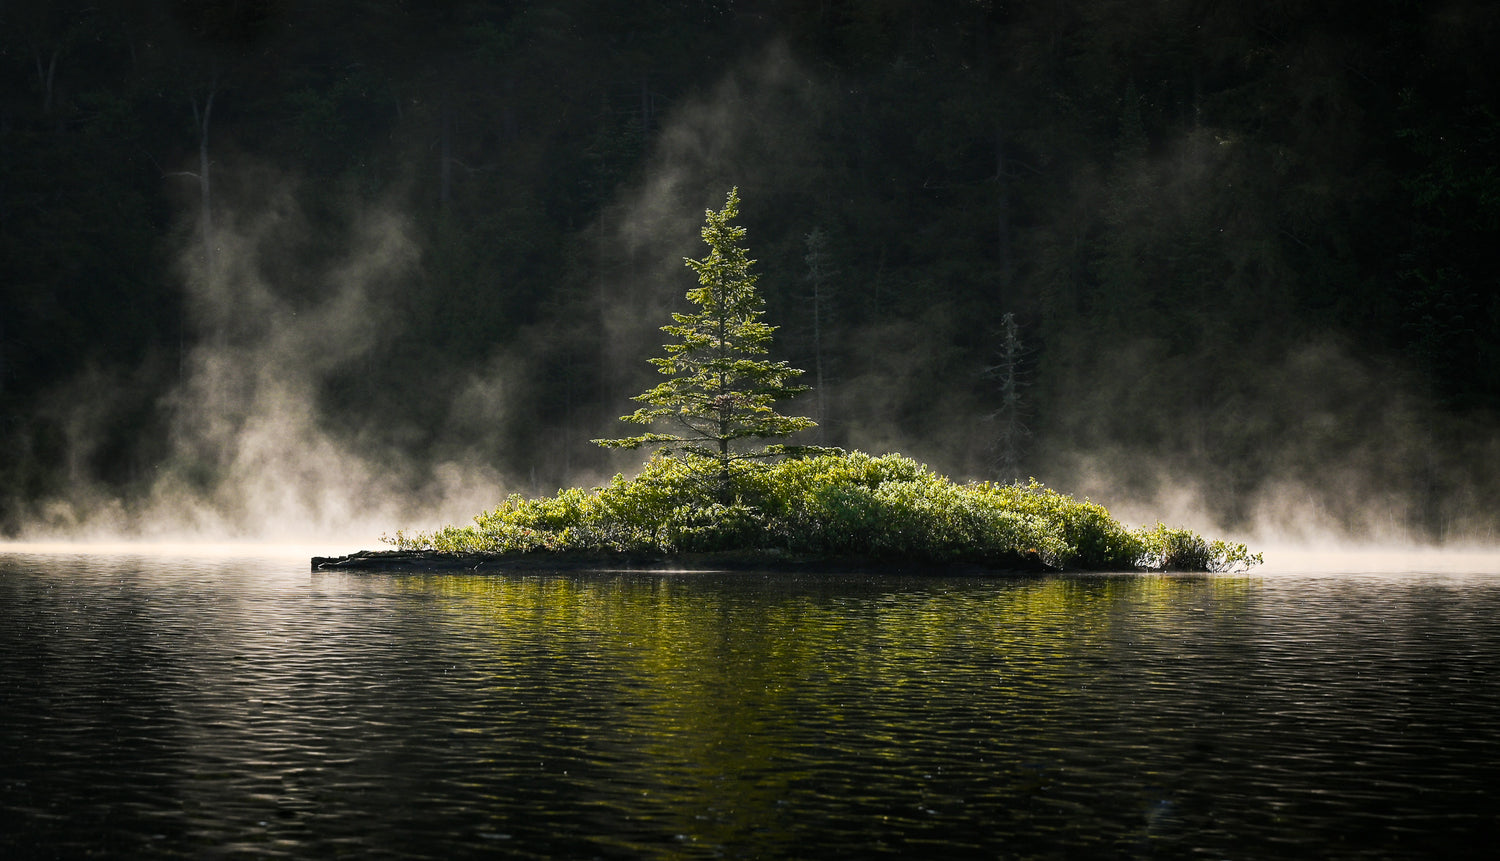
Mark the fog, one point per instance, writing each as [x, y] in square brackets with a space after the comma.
[252, 457]
[1346, 453]
[1345, 559]
[1343, 451]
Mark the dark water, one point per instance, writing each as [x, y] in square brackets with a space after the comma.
[176, 707]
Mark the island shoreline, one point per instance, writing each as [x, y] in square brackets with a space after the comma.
[432, 561]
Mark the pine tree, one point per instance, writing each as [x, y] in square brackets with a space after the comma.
[718, 389]
[1010, 430]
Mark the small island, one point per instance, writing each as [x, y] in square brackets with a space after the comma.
[838, 511]
[706, 500]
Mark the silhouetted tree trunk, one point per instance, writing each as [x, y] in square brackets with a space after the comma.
[1002, 214]
[201, 116]
[646, 107]
[46, 77]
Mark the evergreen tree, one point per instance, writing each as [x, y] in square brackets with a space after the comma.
[718, 388]
[1010, 430]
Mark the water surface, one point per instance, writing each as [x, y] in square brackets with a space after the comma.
[230, 705]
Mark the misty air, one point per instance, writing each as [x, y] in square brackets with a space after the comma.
[748, 428]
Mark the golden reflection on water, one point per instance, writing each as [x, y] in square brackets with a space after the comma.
[718, 691]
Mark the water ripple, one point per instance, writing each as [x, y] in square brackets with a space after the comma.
[235, 707]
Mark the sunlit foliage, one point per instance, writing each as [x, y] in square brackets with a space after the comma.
[719, 390]
[846, 506]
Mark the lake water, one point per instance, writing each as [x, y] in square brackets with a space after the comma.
[238, 705]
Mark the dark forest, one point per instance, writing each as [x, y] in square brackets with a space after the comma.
[266, 258]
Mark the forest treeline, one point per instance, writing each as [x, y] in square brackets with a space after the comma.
[1245, 245]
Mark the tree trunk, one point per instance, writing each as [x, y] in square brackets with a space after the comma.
[46, 77]
[645, 107]
[205, 184]
[201, 116]
[1011, 432]
[1002, 214]
[445, 190]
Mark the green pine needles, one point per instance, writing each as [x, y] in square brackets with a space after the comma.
[719, 389]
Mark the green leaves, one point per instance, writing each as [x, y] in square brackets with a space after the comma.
[718, 390]
[1164, 548]
[832, 506]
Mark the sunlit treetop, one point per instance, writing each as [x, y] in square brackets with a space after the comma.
[718, 389]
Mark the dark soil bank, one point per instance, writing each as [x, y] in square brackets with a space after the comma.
[499, 563]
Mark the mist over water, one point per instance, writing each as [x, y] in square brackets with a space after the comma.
[1332, 451]
[253, 458]
[1342, 454]
[1344, 559]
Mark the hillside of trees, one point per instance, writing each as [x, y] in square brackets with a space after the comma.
[1247, 248]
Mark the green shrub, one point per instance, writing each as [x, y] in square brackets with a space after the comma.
[830, 505]
[712, 529]
[1164, 548]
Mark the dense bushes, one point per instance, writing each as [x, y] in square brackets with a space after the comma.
[831, 506]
